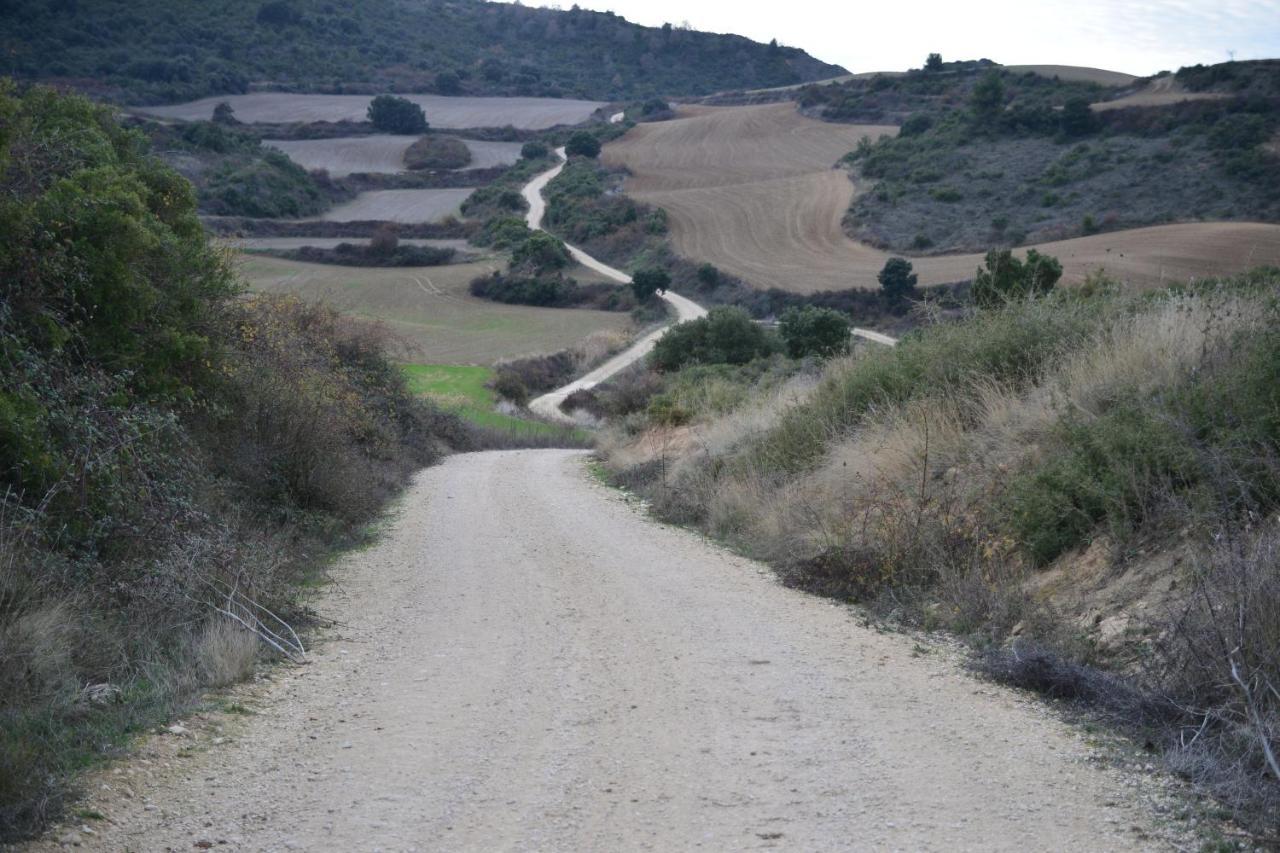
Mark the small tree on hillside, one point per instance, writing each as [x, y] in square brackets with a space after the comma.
[987, 99]
[583, 144]
[533, 150]
[223, 114]
[727, 335]
[448, 83]
[897, 280]
[1077, 118]
[1006, 278]
[648, 282]
[934, 62]
[813, 331]
[397, 115]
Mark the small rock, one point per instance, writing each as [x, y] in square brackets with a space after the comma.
[178, 729]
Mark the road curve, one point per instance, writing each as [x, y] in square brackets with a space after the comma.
[524, 661]
[548, 405]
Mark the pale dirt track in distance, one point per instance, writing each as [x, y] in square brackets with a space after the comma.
[429, 309]
[381, 154]
[408, 206]
[524, 661]
[752, 190]
[442, 112]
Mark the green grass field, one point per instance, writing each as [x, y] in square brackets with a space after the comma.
[461, 388]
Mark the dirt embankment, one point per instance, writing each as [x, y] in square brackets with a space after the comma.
[524, 661]
[753, 191]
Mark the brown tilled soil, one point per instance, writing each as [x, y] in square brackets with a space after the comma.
[1158, 93]
[381, 153]
[272, 107]
[525, 662]
[753, 191]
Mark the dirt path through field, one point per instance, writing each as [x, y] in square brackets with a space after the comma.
[524, 661]
[753, 191]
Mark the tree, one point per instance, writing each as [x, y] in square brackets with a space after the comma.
[647, 282]
[223, 114]
[583, 144]
[708, 275]
[278, 14]
[1077, 118]
[540, 252]
[987, 99]
[897, 280]
[934, 62]
[391, 114]
[726, 335]
[812, 331]
[448, 83]
[384, 241]
[1006, 278]
[533, 150]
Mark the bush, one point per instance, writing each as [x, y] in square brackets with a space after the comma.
[897, 280]
[448, 83]
[539, 253]
[582, 144]
[391, 114]
[811, 331]
[725, 336]
[437, 152]
[647, 283]
[534, 150]
[1007, 278]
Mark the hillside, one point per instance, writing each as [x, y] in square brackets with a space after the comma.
[188, 49]
[990, 157]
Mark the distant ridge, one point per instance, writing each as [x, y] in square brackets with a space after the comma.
[158, 51]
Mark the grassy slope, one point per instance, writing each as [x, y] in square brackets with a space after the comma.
[1125, 442]
[186, 49]
[463, 389]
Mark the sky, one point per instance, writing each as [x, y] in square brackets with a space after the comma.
[1134, 36]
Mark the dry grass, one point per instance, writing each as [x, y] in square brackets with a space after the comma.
[406, 206]
[225, 652]
[431, 309]
[442, 112]
[753, 191]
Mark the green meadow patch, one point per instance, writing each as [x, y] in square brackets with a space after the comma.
[463, 389]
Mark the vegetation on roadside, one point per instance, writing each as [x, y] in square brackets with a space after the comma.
[958, 480]
[191, 50]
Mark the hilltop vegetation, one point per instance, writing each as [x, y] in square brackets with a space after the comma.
[183, 50]
[988, 157]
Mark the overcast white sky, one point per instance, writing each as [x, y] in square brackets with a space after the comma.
[1136, 36]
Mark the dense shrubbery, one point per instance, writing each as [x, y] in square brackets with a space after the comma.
[437, 152]
[161, 443]
[391, 114]
[725, 335]
[1114, 169]
[1004, 277]
[812, 331]
[383, 46]
[361, 255]
[551, 291]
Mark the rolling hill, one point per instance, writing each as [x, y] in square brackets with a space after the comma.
[156, 52]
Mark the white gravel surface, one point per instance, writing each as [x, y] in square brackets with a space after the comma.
[524, 661]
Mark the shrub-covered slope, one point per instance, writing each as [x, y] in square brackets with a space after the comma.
[1091, 472]
[155, 52]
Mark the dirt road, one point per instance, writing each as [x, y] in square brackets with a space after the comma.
[525, 662]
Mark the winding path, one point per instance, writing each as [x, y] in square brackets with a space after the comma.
[548, 405]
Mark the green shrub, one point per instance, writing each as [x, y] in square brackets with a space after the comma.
[647, 283]
[583, 144]
[534, 150]
[813, 331]
[540, 252]
[437, 152]
[1005, 278]
[725, 336]
[391, 114]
